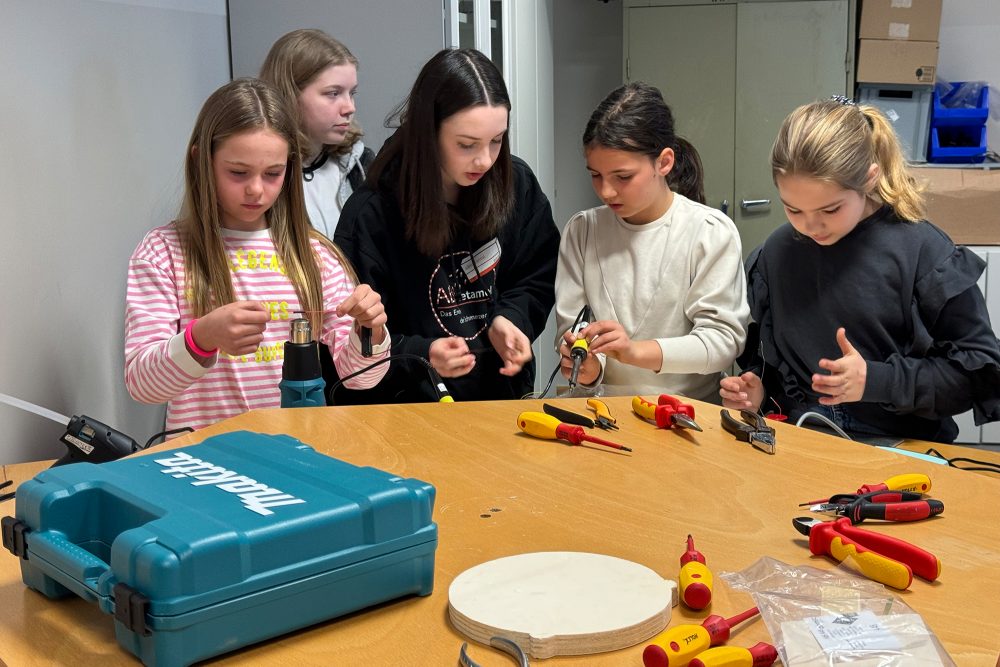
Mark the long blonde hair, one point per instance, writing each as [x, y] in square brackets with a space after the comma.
[837, 142]
[247, 105]
[295, 60]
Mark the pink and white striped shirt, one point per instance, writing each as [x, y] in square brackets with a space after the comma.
[158, 367]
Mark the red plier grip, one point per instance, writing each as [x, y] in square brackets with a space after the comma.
[670, 404]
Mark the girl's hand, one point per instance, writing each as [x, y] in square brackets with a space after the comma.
[365, 306]
[846, 381]
[590, 367]
[745, 392]
[609, 337]
[450, 357]
[511, 344]
[235, 328]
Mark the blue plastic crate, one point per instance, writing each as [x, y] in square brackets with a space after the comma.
[961, 144]
[942, 116]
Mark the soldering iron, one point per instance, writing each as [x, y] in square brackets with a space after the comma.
[581, 346]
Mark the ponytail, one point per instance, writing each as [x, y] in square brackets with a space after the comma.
[688, 176]
[896, 186]
[838, 141]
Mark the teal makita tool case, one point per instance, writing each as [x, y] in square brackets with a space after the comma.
[200, 550]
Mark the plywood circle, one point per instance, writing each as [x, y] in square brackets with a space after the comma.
[561, 602]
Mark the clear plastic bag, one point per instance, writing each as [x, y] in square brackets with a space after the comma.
[819, 618]
[964, 95]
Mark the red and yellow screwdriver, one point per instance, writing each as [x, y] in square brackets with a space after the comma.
[679, 645]
[541, 425]
[696, 578]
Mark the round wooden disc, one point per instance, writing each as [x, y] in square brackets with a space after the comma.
[561, 603]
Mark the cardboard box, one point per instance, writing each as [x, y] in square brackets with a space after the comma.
[965, 203]
[897, 61]
[916, 20]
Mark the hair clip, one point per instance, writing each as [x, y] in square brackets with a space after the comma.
[846, 101]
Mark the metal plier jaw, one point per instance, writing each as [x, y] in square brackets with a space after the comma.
[753, 429]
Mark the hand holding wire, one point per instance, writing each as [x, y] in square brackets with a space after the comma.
[365, 306]
[846, 381]
[511, 344]
[608, 337]
[743, 392]
[236, 328]
[451, 357]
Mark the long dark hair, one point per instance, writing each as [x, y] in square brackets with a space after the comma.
[635, 118]
[453, 80]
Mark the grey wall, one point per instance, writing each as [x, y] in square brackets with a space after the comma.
[588, 65]
[391, 40]
[99, 98]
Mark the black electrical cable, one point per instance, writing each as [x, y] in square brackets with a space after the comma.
[548, 385]
[987, 466]
[436, 382]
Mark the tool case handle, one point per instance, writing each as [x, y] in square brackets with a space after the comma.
[72, 566]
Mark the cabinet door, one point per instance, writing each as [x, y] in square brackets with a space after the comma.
[689, 53]
[788, 54]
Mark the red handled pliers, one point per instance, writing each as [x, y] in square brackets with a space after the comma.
[882, 558]
[668, 412]
[884, 505]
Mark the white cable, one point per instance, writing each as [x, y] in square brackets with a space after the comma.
[34, 409]
[825, 420]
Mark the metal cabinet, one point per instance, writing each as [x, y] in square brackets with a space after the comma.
[731, 70]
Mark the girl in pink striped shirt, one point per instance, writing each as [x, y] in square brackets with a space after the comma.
[210, 295]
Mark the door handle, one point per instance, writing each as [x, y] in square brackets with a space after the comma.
[752, 203]
[724, 206]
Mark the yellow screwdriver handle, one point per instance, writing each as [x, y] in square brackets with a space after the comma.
[538, 424]
[676, 645]
[912, 482]
[724, 656]
[644, 408]
[600, 408]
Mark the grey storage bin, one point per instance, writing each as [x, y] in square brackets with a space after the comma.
[908, 108]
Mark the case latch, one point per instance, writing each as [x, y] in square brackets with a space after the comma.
[131, 608]
[14, 531]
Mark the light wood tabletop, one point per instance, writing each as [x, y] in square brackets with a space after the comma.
[501, 493]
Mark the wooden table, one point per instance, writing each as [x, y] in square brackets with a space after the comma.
[500, 493]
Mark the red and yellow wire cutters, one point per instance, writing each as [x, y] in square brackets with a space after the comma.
[667, 412]
[881, 558]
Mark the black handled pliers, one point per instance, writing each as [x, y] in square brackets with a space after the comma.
[752, 429]
[883, 505]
